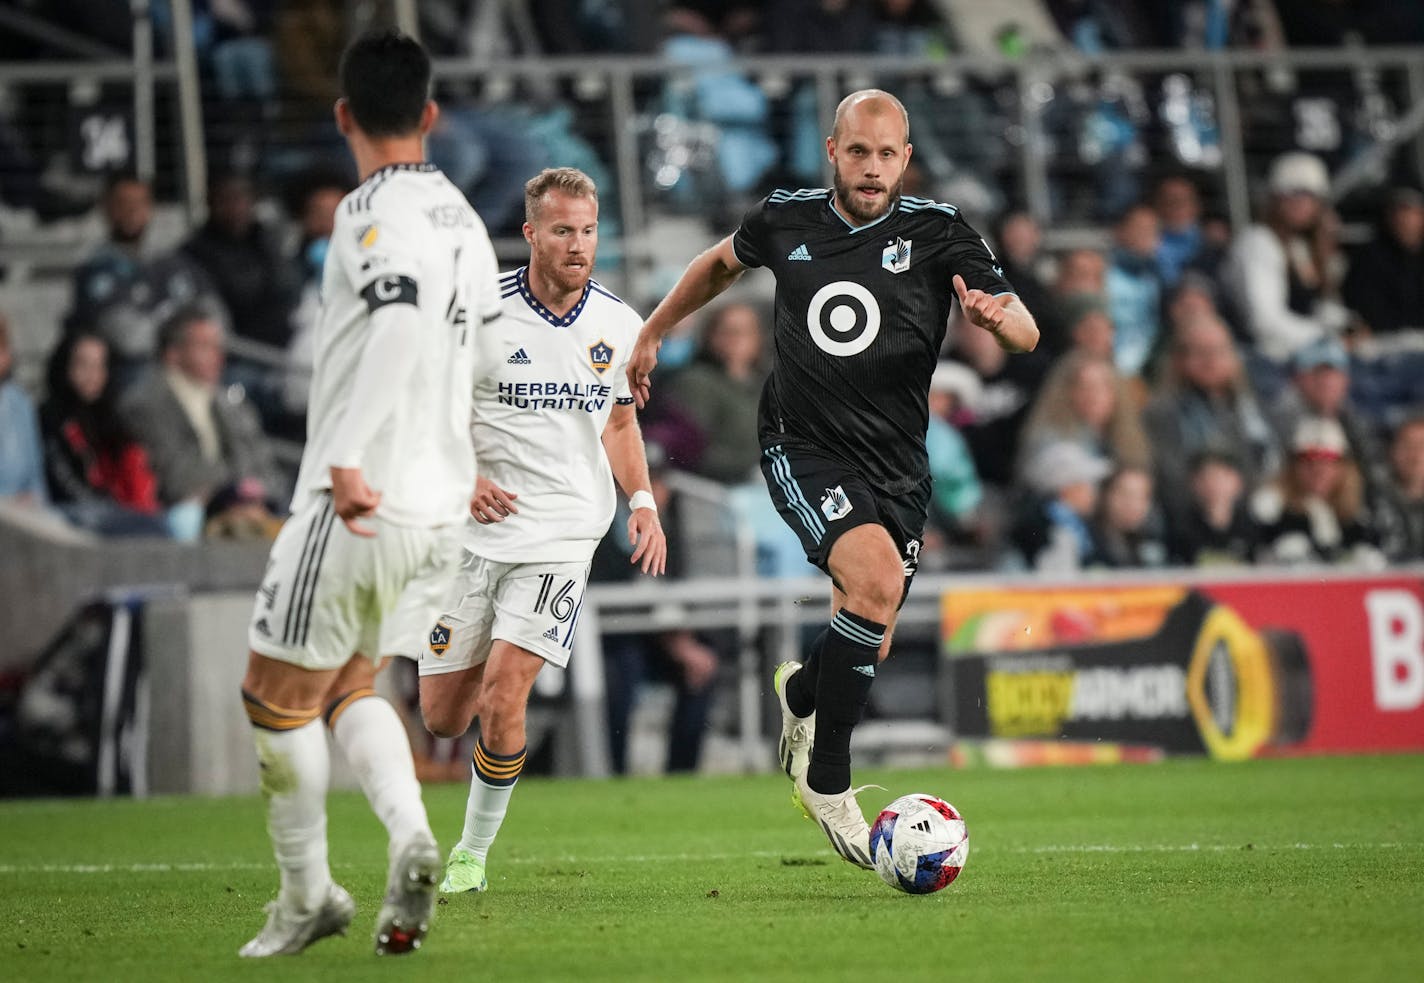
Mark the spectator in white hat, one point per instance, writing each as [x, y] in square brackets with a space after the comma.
[1314, 511]
[1284, 272]
[1320, 386]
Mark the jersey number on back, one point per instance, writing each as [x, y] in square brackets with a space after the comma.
[455, 314]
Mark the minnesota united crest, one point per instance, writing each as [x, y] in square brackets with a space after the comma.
[896, 256]
[600, 356]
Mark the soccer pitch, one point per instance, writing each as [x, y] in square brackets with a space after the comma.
[1187, 870]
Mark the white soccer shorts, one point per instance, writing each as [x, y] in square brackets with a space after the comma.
[532, 605]
[328, 594]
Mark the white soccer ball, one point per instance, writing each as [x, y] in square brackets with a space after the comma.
[919, 844]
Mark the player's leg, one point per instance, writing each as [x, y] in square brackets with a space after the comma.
[283, 704]
[866, 564]
[452, 672]
[448, 699]
[369, 731]
[792, 487]
[282, 693]
[500, 750]
[536, 610]
[872, 566]
[416, 570]
[455, 648]
[374, 741]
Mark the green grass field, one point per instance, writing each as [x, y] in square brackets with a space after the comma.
[1271, 870]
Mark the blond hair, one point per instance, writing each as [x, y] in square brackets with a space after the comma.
[1051, 416]
[1346, 499]
[568, 180]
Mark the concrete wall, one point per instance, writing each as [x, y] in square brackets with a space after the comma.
[45, 575]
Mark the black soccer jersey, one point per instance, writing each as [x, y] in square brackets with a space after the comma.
[860, 316]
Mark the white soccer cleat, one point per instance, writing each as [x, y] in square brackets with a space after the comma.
[287, 933]
[797, 733]
[410, 898]
[840, 818]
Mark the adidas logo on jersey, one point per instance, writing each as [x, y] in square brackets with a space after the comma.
[552, 634]
[801, 253]
[520, 357]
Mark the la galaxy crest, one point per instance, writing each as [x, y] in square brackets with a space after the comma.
[896, 255]
[600, 356]
[439, 638]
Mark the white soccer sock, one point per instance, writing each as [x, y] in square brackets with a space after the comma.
[491, 785]
[296, 769]
[370, 733]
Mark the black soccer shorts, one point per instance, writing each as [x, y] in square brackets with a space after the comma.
[821, 499]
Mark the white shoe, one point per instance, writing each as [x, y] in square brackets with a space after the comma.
[287, 933]
[410, 898]
[840, 818]
[797, 733]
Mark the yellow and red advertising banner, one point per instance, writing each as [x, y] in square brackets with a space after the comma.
[1235, 669]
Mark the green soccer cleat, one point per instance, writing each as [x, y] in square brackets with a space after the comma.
[463, 872]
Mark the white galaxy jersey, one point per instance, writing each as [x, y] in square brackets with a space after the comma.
[405, 235]
[547, 387]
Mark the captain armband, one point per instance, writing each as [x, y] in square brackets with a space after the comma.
[390, 290]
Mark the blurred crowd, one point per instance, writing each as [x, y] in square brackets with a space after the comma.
[713, 136]
[1201, 394]
[1213, 393]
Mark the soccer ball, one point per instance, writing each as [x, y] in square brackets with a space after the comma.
[919, 844]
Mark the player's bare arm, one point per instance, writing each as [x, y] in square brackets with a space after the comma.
[623, 443]
[707, 276]
[1004, 316]
[491, 503]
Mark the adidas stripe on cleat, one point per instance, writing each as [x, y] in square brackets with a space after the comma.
[841, 820]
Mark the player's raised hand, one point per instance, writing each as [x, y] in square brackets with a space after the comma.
[985, 310]
[645, 534]
[491, 503]
[353, 499]
[640, 367]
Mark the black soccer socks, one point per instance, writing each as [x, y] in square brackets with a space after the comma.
[801, 687]
[846, 672]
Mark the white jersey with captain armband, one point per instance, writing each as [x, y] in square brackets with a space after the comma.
[406, 235]
[547, 387]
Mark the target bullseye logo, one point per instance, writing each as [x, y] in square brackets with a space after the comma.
[843, 318]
